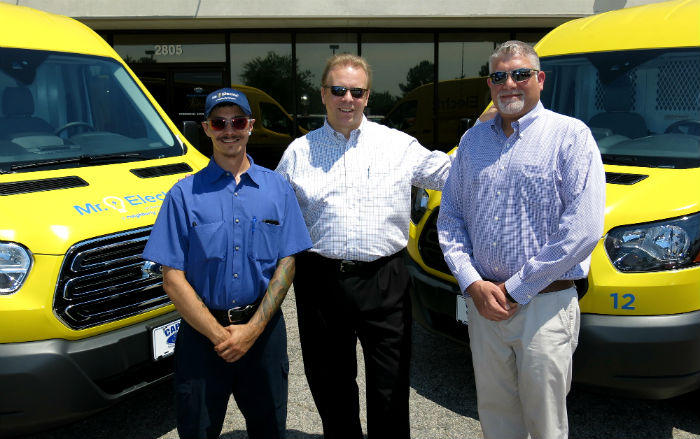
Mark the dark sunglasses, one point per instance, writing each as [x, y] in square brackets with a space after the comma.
[337, 90]
[518, 75]
[238, 123]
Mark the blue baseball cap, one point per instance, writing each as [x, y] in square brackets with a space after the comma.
[226, 95]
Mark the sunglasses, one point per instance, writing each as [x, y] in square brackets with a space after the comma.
[238, 123]
[518, 75]
[337, 90]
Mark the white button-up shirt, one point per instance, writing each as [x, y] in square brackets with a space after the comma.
[526, 209]
[355, 194]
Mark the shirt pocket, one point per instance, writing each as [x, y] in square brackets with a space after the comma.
[265, 239]
[208, 242]
[536, 187]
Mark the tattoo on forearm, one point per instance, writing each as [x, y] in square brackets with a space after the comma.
[277, 288]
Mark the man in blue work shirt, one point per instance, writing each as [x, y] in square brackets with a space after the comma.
[226, 238]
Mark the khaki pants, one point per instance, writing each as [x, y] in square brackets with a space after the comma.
[523, 366]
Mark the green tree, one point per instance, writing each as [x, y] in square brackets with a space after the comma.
[418, 75]
[273, 74]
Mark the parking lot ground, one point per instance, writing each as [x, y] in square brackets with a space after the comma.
[442, 404]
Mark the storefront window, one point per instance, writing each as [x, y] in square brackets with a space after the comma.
[462, 90]
[313, 51]
[261, 67]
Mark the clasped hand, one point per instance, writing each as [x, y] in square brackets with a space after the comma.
[239, 340]
[490, 300]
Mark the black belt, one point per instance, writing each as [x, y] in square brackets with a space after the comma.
[349, 267]
[235, 316]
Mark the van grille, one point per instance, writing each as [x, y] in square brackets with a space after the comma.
[103, 280]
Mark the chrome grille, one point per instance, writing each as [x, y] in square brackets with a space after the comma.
[103, 280]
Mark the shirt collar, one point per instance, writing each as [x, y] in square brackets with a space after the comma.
[330, 132]
[521, 124]
[213, 171]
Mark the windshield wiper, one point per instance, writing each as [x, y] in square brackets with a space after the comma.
[83, 160]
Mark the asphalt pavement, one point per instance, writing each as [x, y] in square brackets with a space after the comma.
[442, 404]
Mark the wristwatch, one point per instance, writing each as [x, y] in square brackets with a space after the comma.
[510, 298]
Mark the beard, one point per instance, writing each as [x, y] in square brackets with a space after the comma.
[512, 105]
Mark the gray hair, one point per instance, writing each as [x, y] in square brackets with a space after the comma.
[514, 48]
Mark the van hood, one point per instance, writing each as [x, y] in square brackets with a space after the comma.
[49, 211]
[638, 195]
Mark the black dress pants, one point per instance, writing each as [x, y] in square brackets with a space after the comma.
[335, 309]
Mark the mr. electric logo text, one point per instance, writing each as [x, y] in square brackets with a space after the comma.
[120, 204]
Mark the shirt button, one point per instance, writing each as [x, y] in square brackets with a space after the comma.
[493, 244]
[235, 194]
[529, 296]
[235, 275]
[495, 218]
[237, 248]
[236, 220]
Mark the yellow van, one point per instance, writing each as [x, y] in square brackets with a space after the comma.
[86, 157]
[633, 76]
[460, 102]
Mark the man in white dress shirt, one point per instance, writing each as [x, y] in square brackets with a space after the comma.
[353, 179]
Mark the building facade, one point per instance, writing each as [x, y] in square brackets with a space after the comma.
[182, 49]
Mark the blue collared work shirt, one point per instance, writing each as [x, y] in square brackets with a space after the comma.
[228, 237]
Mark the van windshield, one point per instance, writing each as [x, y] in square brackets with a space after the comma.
[66, 110]
[643, 106]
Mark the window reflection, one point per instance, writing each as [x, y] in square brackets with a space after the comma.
[261, 67]
[400, 63]
[313, 51]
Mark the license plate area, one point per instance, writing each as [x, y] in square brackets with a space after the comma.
[461, 310]
[163, 340]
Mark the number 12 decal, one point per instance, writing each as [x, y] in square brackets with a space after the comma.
[627, 301]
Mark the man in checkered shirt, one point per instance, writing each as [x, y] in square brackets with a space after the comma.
[521, 213]
[353, 179]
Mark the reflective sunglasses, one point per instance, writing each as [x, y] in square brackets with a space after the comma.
[518, 75]
[337, 90]
[238, 123]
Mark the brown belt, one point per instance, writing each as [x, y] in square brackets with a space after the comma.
[557, 285]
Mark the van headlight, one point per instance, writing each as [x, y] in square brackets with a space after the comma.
[662, 245]
[15, 262]
[419, 203]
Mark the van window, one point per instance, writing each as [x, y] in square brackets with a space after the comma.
[643, 106]
[66, 110]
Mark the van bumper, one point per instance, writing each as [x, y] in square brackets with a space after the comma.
[651, 357]
[51, 382]
[654, 357]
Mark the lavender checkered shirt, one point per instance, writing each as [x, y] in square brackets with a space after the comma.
[527, 209]
[355, 194]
